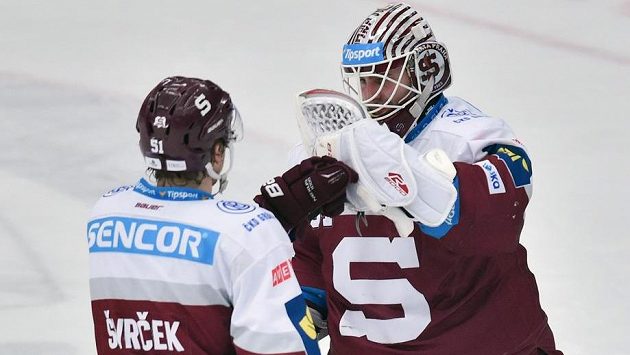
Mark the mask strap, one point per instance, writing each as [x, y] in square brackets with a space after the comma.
[222, 178]
[421, 102]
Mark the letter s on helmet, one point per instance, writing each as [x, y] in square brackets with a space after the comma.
[181, 119]
[405, 39]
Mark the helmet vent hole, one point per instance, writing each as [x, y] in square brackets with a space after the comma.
[186, 139]
[172, 110]
[152, 107]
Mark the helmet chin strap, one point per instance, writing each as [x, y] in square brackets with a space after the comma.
[222, 184]
[222, 178]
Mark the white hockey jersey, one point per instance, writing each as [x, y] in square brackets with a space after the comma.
[461, 130]
[174, 271]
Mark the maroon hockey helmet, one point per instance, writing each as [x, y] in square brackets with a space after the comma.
[393, 41]
[181, 119]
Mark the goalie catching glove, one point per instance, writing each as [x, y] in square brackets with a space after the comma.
[316, 185]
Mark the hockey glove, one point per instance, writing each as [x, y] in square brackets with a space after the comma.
[317, 185]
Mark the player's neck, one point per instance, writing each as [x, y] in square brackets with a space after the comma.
[205, 184]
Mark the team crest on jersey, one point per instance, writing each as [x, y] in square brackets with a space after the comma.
[235, 207]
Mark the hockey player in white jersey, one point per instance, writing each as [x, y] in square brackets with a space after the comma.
[176, 269]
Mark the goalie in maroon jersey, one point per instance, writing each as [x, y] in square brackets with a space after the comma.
[425, 257]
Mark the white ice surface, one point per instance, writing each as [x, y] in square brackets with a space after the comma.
[73, 74]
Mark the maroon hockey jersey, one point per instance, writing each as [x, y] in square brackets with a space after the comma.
[467, 292]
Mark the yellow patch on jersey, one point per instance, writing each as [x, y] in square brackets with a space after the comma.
[514, 157]
[307, 325]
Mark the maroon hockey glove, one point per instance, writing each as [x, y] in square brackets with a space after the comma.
[316, 185]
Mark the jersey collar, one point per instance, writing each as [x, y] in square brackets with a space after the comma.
[170, 193]
[426, 119]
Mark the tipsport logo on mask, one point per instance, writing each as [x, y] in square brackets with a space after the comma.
[362, 53]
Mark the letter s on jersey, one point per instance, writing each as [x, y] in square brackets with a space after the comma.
[395, 291]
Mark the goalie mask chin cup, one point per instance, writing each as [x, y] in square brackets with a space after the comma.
[400, 122]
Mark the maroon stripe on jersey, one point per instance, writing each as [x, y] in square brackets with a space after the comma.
[123, 327]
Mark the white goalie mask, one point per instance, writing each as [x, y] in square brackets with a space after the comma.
[393, 64]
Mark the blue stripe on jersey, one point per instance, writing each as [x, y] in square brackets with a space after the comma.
[451, 221]
[170, 193]
[428, 118]
[303, 322]
[316, 297]
[516, 160]
[143, 236]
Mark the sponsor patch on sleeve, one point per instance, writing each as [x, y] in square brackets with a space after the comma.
[495, 184]
[516, 160]
[281, 273]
